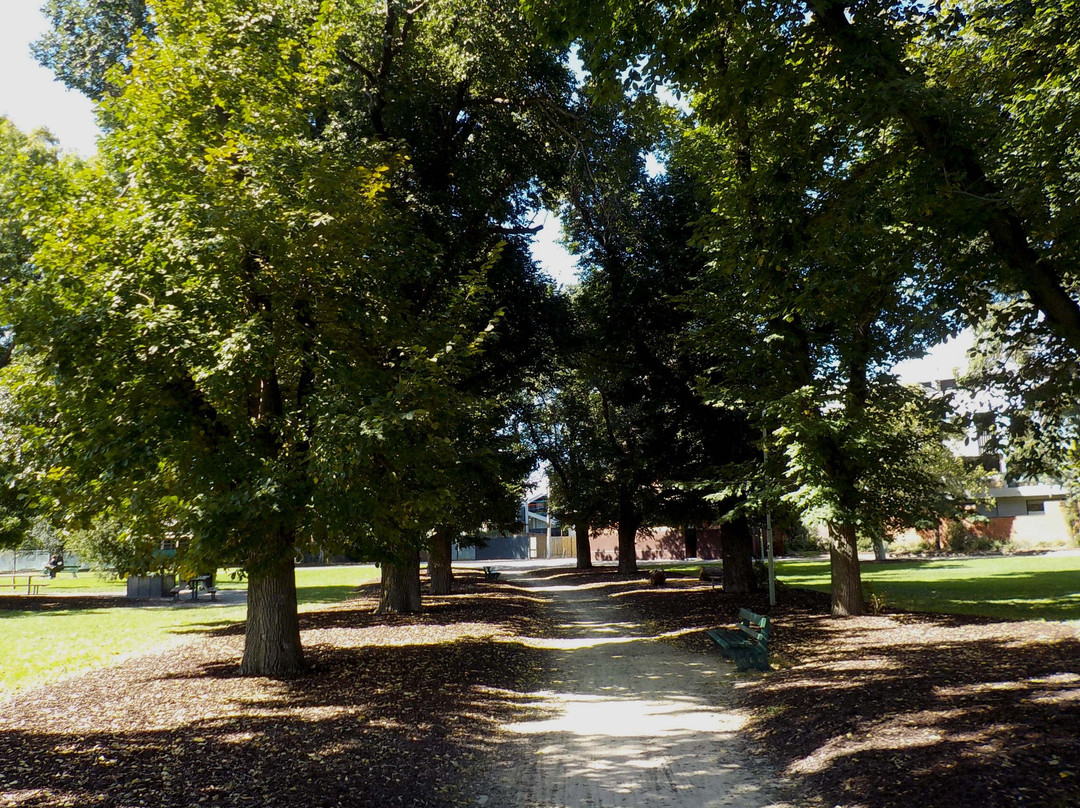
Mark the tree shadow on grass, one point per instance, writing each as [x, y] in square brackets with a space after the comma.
[14, 605]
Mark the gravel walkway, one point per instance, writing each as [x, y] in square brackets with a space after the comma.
[632, 721]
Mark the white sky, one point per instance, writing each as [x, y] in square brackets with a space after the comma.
[944, 361]
[29, 95]
[550, 254]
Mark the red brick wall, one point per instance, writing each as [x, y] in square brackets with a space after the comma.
[665, 543]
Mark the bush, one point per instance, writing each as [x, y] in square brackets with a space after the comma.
[962, 538]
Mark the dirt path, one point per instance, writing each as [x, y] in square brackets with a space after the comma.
[631, 721]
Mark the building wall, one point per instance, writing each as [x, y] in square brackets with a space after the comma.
[1012, 525]
[655, 544]
[663, 544]
[1030, 530]
[504, 547]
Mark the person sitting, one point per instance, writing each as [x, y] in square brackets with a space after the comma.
[55, 565]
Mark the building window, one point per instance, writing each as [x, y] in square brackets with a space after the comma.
[1036, 506]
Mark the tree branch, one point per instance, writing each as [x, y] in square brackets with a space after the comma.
[1037, 275]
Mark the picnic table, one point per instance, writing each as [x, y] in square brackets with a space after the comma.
[193, 585]
[31, 587]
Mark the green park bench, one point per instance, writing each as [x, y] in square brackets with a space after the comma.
[747, 644]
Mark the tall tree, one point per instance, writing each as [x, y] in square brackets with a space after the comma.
[646, 429]
[476, 104]
[561, 428]
[252, 321]
[851, 190]
[984, 115]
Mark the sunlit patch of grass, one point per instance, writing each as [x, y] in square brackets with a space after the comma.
[40, 647]
[44, 646]
[1007, 587]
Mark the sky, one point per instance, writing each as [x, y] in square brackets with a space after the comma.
[31, 98]
[29, 95]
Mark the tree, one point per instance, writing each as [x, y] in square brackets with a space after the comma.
[635, 431]
[485, 489]
[33, 176]
[973, 101]
[826, 234]
[814, 289]
[238, 350]
[89, 38]
[958, 82]
[476, 109]
[560, 427]
[283, 284]
[487, 481]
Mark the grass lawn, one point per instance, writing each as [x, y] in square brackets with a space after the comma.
[44, 646]
[1009, 587]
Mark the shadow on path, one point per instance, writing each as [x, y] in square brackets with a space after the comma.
[629, 721]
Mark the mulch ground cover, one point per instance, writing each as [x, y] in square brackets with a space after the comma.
[884, 711]
[394, 711]
[893, 710]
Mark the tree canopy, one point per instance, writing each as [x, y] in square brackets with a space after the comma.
[292, 301]
[260, 316]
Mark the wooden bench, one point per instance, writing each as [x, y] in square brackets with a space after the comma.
[491, 574]
[747, 645]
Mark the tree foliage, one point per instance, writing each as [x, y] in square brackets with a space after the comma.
[89, 38]
[260, 318]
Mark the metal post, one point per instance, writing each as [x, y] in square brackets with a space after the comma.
[772, 561]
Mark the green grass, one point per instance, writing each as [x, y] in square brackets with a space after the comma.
[38, 647]
[1008, 587]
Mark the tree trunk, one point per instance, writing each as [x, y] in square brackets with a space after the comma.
[272, 639]
[629, 522]
[582, 547]
[881, 552]
[690, 539]
[737, 551]
[847, 596]
[439, 565]
[401, 585]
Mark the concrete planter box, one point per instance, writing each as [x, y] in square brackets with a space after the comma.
[145, 587]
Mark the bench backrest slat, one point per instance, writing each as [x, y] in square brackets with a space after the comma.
[754, 625]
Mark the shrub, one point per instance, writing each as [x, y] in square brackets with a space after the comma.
[963, 538]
